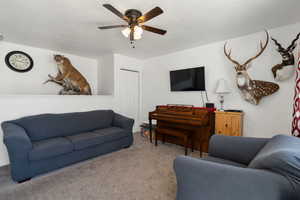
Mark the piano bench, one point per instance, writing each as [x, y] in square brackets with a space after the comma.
[186, 136]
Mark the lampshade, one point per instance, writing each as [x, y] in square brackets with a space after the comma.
[222, 87]
[126, 32]
[138, 31]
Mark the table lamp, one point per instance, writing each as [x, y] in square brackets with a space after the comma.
[221, 90]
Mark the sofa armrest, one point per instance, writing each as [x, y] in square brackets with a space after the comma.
[16, 138]
[237, 149]
[18, 145]
[200, 179]
[123, 122]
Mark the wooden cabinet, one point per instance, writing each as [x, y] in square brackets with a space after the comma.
[229, 123]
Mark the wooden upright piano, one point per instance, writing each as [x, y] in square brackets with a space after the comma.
[199, 121]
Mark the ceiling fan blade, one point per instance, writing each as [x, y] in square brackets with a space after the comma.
[151, 14]
[113, 26]
[116, 12]
[154, 30]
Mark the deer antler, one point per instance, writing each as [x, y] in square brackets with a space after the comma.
[280, 48]
[262, 49]
[293, 44]
[228, 55]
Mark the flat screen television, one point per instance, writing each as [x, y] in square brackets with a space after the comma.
[192, 79]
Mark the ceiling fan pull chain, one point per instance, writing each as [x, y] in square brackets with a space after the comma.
[132, 43]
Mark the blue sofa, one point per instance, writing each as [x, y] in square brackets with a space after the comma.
[41, 143]
[242, 168]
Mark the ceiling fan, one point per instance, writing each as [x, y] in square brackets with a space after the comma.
[135, 20]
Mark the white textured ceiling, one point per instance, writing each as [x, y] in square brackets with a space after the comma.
[71, 25]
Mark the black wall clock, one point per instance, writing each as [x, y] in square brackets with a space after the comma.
[19, 61]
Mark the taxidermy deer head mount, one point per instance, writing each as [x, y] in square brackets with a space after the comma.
[252, 90]
[285, 69]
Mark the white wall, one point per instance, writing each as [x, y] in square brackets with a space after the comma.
[106, 74]
[31, 82]
[272, 116]
[109, 76]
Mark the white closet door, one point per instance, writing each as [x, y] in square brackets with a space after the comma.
[129, 95]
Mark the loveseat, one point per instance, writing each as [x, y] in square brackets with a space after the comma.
[240, 168]
[41, 143]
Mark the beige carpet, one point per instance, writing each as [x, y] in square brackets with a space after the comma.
[142, 172]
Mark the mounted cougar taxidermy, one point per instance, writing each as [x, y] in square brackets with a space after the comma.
[252, 90]
[72, 81]
[286, 69]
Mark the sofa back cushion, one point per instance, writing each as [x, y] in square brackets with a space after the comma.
[281, 155]
[46, 126]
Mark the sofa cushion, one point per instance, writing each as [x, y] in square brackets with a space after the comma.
[222, 161]
[89, 139]
[112, 133]
[281, 155]
[50, 148]
[46, 126]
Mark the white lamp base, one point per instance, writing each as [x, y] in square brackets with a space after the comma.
[221, 99]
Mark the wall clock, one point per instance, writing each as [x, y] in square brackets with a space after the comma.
[19, 61]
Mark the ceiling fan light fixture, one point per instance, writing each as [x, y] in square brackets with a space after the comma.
[137, 37]
[138, 31]
[126, 32]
